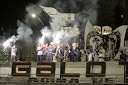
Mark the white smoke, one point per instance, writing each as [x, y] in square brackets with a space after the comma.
[24, 33]
[46, 33]
[32, 9]
[9, 41]
[61, 37]
[55, 36]
[85, 10]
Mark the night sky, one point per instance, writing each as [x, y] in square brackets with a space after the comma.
[13, 10]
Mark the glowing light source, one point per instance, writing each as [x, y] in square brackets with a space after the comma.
[41, 40]
[57, 37]
[33, 15]
[56, 40]
[7, 43]
[122, 16]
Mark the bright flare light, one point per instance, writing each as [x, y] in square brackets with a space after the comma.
[7, 43]
[57, 38]
[41, 40]
[33, 15]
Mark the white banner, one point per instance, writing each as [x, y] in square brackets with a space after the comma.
[89, 28]
[122, 31]
[117, 36]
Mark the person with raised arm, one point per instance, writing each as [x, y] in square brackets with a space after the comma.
[39, 52]
[13, 53]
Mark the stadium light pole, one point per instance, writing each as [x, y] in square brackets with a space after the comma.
[34, 16]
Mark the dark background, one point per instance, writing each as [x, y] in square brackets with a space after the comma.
[13, 10]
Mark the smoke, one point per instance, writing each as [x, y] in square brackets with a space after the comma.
[54, 36]
[9, 41]
[32, 9]
[85, 10]
[61, 37]
[23, 33]
[46, 33]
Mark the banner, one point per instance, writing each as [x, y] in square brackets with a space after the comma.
[117, 36]
[120, 32]
[69, 31]
[82, 72]
[49, 10]
[59, 21]
[89, 28]
[52, 12]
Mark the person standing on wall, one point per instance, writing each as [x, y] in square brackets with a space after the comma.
[45, 51]
[49, 53]
[39, 52]
[13, 53]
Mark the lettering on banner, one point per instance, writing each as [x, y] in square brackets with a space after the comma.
[91, 64]
[21, 69]
[45, 69]
[63, 74]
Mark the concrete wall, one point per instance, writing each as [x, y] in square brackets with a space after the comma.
[114, 72]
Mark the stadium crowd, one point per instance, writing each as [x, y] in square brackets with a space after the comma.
[75, 52]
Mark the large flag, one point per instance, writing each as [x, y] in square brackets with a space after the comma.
[120, 36]
[71, 31]
[59, 21]
[117, 36]
[49, 10]
[89, 28]
[68, 16]
[52, 12]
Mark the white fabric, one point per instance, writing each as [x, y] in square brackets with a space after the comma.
[49, 10]
[40, 52]
[52, 12]
[90, 57]
[68, 31]
[13, 52]
[96, 58]
[94, 46]
[88, 29]
[122, 30]
[74, 45]
[54, 59]
[59, 20]
[102, 57]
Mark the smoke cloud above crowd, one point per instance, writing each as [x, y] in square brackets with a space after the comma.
[23, 33]
[55, 37]
[84, 10]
